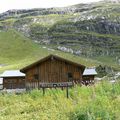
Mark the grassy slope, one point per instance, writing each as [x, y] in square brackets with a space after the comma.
[100, 102]
[64, 34]
[16, 51]
[46, 21]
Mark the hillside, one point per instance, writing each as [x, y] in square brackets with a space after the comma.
[90, 31]
[16, 51]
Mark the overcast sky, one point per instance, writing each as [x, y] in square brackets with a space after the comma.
[24, 4]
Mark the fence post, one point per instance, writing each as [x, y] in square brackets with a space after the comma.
[67, 92]
[43, 91]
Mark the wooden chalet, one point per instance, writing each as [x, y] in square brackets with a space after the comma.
[52, 69]
[88, 76]
[13, 79]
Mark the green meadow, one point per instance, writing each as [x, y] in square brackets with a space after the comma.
[98, 102]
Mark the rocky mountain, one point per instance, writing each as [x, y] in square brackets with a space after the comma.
[89, 30]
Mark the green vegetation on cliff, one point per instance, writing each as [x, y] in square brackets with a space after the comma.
[90, 31]
[93, 29]
[16, 51]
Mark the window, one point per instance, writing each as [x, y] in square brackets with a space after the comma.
[10, 81]
[36, 76]
[86, 78]
[78, 69]
[70, 76]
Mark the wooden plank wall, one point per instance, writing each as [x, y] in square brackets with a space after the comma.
[88, 77]
[53, 71]
[88, 80]
[14, 82]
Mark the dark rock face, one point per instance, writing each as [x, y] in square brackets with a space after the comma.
[86, 29]
[31, 12]
[99, 26]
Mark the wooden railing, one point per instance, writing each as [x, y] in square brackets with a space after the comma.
[87, 82]
[13, 86]
[31, 85]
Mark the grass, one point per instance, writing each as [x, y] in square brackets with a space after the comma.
[64, 30]
[16, 51]
[9, 22]
[14, 46]
[112, 60]
[99, 102]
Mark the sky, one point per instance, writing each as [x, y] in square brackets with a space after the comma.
[26, 4]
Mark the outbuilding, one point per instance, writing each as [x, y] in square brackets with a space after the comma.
[88, 76]
[13, 79]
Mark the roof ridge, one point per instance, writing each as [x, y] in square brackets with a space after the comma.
[47, 57]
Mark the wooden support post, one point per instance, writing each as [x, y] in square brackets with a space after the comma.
[43, 91]
[67, 92]
[25, 84]
[38, 76]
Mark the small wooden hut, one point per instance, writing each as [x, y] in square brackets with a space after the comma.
[88, 76]
[13, 79]
[52, 69]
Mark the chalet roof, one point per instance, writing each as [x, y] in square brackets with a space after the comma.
[12, 73]
[51, 56]
[89, 71]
